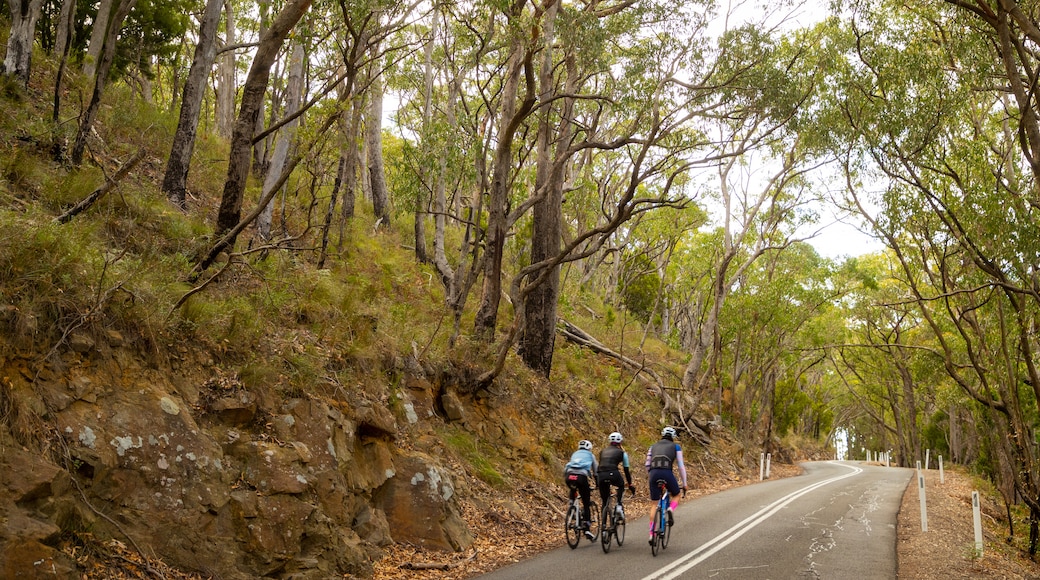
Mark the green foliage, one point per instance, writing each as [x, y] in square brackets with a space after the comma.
[476, 453]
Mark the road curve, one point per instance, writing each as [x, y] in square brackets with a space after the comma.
[836, 520]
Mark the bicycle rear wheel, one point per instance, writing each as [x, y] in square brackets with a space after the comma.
[570, 527]
[667, 534]
[653, 543]
[619, 531]
[594, 520]
[606, 523]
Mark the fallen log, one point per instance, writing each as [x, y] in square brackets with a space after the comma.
[109, 185]
[576, 335]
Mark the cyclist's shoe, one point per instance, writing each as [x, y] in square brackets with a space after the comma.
[651, 541]
[619, 514]
[671, 519]
[589, 535]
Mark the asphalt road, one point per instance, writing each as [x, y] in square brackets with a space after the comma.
[837, 520]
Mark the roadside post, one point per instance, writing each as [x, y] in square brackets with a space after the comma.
[761, 465]
[976, 518]
[920, 494]
[942, 476]
[769, 458]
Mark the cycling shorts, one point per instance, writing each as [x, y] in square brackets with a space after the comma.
[670, 482]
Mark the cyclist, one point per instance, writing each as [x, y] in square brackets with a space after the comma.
[576, 474]
[659, 461]
[611, 459]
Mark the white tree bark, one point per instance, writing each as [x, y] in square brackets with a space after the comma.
[65, 18]
[225, 99]
[18, 60]
[294, 96]
[97, 37]
[374, 146]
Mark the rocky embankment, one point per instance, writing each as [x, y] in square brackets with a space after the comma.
[194, 468]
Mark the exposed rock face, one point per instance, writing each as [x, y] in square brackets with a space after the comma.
[419, 504]
[212, 479]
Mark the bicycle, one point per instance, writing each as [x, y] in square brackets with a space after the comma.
[662, 530]
[573, 522]
[612, 524]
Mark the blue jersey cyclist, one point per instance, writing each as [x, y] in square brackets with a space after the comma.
[659, 461]
[612, 460]
[576, 475]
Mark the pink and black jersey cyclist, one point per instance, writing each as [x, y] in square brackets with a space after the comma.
[659, 461]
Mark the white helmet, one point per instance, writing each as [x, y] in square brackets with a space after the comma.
[615, 437]
[585, 444]
[668, 432]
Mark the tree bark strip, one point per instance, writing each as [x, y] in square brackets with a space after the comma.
[175, 179]
[252, 98]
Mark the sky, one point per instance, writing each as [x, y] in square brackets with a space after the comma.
[840, 240]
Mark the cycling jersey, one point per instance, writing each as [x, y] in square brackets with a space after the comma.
[582, 462]
[611, 458]
[663, 455]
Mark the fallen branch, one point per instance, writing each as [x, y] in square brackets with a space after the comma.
[109, 185]
[578, 336]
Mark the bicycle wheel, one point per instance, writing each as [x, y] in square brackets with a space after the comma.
[606, 523]
[653, 543]
[619, 531]
[666, 535]
[570, 527]
[594, 520]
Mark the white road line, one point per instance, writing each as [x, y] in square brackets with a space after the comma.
[706, 550]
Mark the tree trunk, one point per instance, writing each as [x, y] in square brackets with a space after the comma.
[428, 175]
[294, 96]
[61, 50]
[97, 37]
[63, 36]
[176, 177]
[350, 167]
[327, 226]
[510, 118]
[536, 344]
[374, 146]
[252, 99]
[225, 91]
[108, 53]
[18, 60]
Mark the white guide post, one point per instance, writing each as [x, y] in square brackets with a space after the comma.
[769, 458]
[976, 518]
[927, 452]
[761, 466]
[920, 494]
[942, 476]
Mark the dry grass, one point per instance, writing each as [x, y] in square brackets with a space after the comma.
[946, 550]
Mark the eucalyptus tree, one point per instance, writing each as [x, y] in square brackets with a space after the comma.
[752, 97]
[771, 339]
[18, 59]
[887, 360]
[175, 177]
[114, 23]
[227, 64]
[448, 103]
[293, 102]
[252, 98]
[955, 157]
[604, 106]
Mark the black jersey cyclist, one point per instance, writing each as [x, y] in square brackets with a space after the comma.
[612, 460]
[659, 461]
